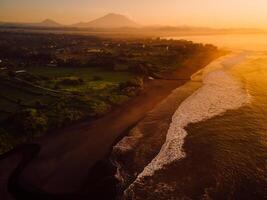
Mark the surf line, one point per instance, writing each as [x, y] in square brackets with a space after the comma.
[219, 93]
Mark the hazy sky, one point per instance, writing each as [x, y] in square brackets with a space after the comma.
[212, 13]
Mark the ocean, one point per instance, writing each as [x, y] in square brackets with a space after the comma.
[216, 141]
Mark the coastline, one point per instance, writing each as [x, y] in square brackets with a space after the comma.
[185, 106]
[64, 162]
[89, 134]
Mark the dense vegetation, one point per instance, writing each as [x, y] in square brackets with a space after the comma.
[48, 81]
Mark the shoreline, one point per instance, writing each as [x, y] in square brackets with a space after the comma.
[65, 161]
[168, 148]
[153, 93]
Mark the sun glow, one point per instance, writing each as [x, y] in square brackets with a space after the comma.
[209, 13]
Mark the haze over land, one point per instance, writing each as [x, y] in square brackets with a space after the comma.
[204, 13]
[110, 20]
[122, 26]
[131, 99]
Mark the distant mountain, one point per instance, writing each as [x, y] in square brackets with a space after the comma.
[45, 23]
[109, 21]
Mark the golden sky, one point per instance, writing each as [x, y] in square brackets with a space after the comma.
[208, 13]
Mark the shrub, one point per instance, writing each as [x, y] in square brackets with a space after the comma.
[137, 82]
[132, 87]
[98, 107]
[63, 112]
[117, 99]
[71, 109]
[31, 122]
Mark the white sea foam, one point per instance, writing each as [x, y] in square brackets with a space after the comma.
[220, 92]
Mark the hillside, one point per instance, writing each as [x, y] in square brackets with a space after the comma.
[109, 21]
[47, 23]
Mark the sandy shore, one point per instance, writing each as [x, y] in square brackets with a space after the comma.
[66, 163]
[66, 156]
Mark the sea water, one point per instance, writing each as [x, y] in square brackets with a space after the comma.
[216, 145]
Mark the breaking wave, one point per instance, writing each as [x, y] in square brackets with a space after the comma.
[220, 92]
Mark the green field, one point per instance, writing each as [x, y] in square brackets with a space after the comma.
[107, 79]
[96, 83]
[44, 98]
[85, 73]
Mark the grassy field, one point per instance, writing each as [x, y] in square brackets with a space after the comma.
[41, 99]
[86, 73]
[93, 78]
[94, 82]
[15, 96]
